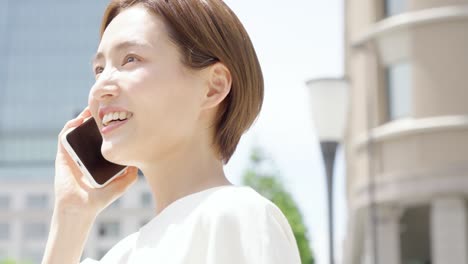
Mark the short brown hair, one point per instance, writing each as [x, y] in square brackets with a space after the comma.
[205, 32]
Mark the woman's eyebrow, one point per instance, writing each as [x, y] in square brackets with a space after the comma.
[121, 46]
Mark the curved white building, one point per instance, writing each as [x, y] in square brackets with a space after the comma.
[407, 136]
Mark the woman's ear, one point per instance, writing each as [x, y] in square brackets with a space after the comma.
[219, 83]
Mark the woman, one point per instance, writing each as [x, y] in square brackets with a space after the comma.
[186, 76]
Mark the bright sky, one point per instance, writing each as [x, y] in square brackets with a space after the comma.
[295, 40]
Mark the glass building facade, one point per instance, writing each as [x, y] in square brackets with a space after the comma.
[45, 78]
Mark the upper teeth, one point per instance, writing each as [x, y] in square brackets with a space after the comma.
[115, 116]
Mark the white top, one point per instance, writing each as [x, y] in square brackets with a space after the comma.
[220, 225]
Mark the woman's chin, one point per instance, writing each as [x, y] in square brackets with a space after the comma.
[112, 153]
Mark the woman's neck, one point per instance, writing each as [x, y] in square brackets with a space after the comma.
[182, 173]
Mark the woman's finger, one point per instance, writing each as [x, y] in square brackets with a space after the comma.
[76, 121]
[85, 113]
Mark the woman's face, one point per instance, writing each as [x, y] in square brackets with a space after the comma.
[141, 80]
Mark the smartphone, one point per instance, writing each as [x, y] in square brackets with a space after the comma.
[83, 143]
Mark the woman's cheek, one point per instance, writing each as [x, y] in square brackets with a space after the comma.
[135, 81]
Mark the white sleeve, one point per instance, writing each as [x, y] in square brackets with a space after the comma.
[252, 236]
[278, 242]
[118, 254]
[89, 261]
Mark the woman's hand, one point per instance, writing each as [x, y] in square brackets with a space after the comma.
[73, 195]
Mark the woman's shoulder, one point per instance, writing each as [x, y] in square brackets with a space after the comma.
[240, 217]
[120, 251]
[239, 202]
[237, 196]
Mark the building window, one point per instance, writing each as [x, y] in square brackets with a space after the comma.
[109, 229]
[37, 201]
[4, 231]
[35, 230]
[25, 149]
[395, 7]
[415, 235]
[399, 82]
[5, 202]
[146, 199]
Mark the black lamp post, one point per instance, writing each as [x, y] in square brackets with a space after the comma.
[329, 104]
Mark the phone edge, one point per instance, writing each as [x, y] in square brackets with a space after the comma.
[75, 159]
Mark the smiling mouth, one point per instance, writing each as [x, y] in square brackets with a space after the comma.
[111, 117]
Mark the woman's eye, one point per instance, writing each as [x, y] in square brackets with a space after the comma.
[130, 58]
[98, 70]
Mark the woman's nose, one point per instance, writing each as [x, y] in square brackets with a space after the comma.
[106, 86]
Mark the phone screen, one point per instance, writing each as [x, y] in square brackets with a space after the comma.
[86, 141]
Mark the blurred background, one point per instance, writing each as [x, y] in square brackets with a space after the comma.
[362, 140]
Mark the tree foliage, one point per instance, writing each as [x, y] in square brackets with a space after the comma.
[12, 261]
[7, 261]
[261, 177]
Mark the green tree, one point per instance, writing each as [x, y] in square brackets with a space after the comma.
[261, 177]
[7, 261]
[12, 261]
